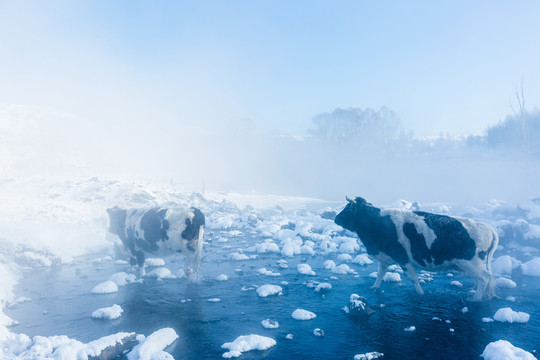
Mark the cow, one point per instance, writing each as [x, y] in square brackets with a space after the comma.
[160, 231]
[422, 240]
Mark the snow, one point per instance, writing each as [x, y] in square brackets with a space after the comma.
[214, 300]
[265, 272]
[154, 262]
[410, 328]
[161, 273]
[456, 283]
[301, 314]
[505, 283]
[270, 324]
[503, 265]
[531, 267]
[106, 287]
[246, 343]
[305, 269]
[343, 269]
[511, 316]
[362, 259]
[222, 277]
[318, 332]
[323, 287]
[329, 264]
[504, 350]
[344, 258]
[110, 313]
[238, 256]
[151, 347]
[368, 356]
[391, 277]
[269, 290]
[122, 278]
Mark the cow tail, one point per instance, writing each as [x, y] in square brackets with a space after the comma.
[491, 250]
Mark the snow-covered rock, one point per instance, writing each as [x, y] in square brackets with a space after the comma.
[504, 350]
[305, 269]
[269, 290]
[247, 343]
[511, 316]
[358, 306]
[110, 313]
[106, 287]
[301, 314]
[531, 267]
[151, 347]
[122, 278]
[362, 259]
[269, 324]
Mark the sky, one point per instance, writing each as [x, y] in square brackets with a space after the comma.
[442, 66]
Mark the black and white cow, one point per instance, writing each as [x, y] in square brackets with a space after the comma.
[421, 240]
[160, 231]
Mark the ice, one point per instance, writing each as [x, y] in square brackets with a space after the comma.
[214, 300]
[487, 320]
[247, 343]
[266, 247]
[343, 269]
[122, 278]
[391, 277]
[270, 324]
[329, 264]
[238, 256]
[362, 259]
[503, 265]
[305, 269]
[532, 267]
[106, 287]
[301, 314]
[110, 313]
[456, 283]
[410, 328]
[222, 277]
[323, 287]
[290, 249]
[505, 283]
[504, 350]
[269, 290]
[511, 316]
[368, 356]
[154, 262]
[151, 347]
[306, 249]
[344, 258]
[161, 273]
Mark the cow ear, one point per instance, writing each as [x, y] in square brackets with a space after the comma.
[360, 200]
[349, 200]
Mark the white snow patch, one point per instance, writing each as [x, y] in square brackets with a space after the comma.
[110, 313]
[362, 259]
[391, 277]
[323, 287]
[154, 262]
[329, 264]
[270, 324]
[456, 283]
[410, 328]
[504, 350]
[368, 356]
[222, 277]
[305, 269]
[122, 278]
[106, 287]
[161, 273]
[503, 282]
[301, 314]
[151, 348]
[265, 272]
[532, 267]
[344, 269]
[247, 343]
[344, 258]
[511, 316]
[268, 290]
[238, 256]
[214, 300]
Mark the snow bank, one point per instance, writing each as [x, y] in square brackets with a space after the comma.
[511, 316]
[247, 343]
[110, 313]
[503, 350]
[301, 314]
[151, 348]
[305, 269]
[106, 287]
[268, 290]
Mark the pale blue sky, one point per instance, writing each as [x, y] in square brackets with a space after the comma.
[442, 66]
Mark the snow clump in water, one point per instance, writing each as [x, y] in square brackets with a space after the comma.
[368, 356]
[511, 316]
[305, 269]
[504, 350]
[110, 313]
[106, 287]
[301, 314]
[247, 343]
[268, 290]
[151, 347]
[270, 324]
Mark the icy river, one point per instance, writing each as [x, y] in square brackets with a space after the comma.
[442, 324]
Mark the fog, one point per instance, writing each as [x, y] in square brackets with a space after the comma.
[242, 156]
[215, 97]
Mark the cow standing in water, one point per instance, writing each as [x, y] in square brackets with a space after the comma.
[159, 231]
[421, 240]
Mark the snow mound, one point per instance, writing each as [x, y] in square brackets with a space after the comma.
[503, 350]
[110, 313]
[305, 269]
[363, 259]
[161, 273]
[222, 277]
[410, 328]
[270, 324]
[106, 287]
[532, 267]
[121, 278]
[456, 283]
[391, 277]
[301, 314]
[503, 265]
[329, 264]
[268, 290]
[323, 287]
[368, 356]
[505, 283]
[151, 348]
[511, 316]
[154, 262]
[247, 343]
[238, 256]
[344, 269]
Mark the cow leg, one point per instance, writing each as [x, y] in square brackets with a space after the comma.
[140, 262]
[483, 284]
[380, 274]
[411, 274]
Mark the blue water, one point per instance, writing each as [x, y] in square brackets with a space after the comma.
[62, 303]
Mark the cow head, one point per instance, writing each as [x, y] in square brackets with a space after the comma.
[117, 221]
[354, 213]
